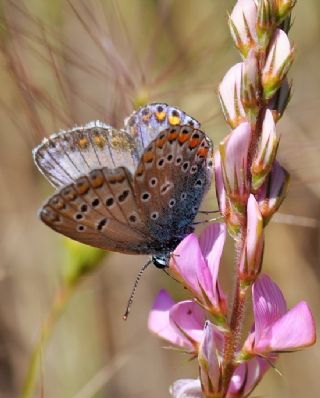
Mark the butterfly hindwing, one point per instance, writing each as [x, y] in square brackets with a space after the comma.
[149, 121]
[171, 179]
[100, 209]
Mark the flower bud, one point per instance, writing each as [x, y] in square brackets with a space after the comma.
[266, 22]
[242, 23]
[273, 191]
[209, 367]
[250, 86]
[280, 100]
[251, 256]
[229, 95]
[266, 151]
[283, 8]
[234, 160]
[278, 62]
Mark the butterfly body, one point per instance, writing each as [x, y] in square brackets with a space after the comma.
[135, 190]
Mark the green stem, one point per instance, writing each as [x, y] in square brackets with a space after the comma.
[59, 304]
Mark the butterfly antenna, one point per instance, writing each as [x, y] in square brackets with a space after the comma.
[133, 292]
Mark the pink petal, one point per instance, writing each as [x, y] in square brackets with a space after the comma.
[244, 18]
[209, 367]
[293, 331]
[252, 256]
[186, 388]
[234, 154]
[189, 264]
[189, 317]
[268, 304]
[246, 376]
[159, 322]
[279, 51]
[221, 193]
[211, 242]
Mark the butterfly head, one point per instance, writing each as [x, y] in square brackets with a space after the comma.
[161, 261]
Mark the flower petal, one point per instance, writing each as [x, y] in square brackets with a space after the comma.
[186, 388]
[189, 265]
[246, 376]
[188, 317]
[159, 322]
[268, 304]
[293, 331]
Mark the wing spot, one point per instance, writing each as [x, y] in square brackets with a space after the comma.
[82, 186]
[95, 202]
[172, 203]
[178, 160]
[183, 196]
[78, 216]
[122, 197]
[109, 202]
[69, 194]
[80, 228]
[145, 196]
[198, 183]
[132, 218]
[210, 163]
[193, 169]
[169, 158]
[153, 182]
[154, 215]
[102, 223]
[185, 166]
[57, 203]
[165, 187]
[84, 208]
[160, 163]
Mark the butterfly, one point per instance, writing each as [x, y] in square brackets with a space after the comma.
[136, 190]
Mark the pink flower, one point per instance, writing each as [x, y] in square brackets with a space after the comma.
[196, 264]
[279, 60]
[250, 86]
[251, 257]
[242, 23]
[276, 329]
[209, 366]
[180, 324]
[234, 151]
[230, 98]
[266, 151]
[246, 377]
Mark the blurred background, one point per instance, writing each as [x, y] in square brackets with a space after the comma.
[64, 63]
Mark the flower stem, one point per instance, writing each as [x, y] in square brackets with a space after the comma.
[233, 337]
[59, 304]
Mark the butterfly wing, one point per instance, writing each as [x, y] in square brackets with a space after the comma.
[73, 153]
[150, 120]
[100, 209]
[174, 173]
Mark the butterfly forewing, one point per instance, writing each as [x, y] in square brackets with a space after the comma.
[73, 153]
